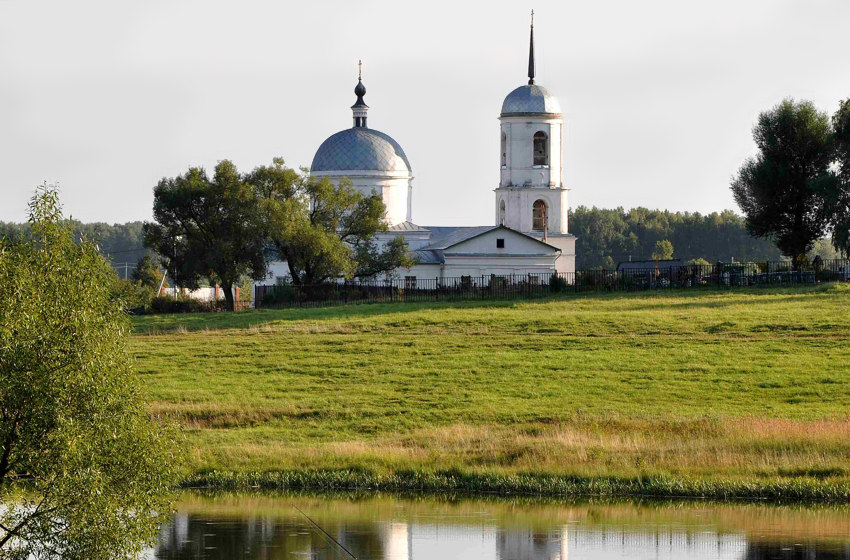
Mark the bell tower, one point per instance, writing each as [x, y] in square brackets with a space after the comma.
[531, 197]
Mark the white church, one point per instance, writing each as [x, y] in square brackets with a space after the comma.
[529, 235]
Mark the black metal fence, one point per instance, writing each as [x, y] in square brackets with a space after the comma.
[526, 286]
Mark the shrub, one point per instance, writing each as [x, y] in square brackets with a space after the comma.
[168, 304]
[135, 297]
[558, 283]
[279, 295]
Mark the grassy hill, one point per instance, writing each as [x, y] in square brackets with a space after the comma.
[735, 390]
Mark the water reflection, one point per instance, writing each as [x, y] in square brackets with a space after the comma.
[382, 528]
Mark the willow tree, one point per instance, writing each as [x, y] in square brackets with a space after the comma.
[83, 468]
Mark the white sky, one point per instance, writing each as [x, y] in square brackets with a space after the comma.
[659, 96]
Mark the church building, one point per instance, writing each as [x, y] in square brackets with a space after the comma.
[529, 234]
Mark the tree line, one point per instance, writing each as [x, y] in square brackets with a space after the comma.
[605, 237]
[119, 243]
[608, 236]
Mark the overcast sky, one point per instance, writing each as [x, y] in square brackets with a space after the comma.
[659, 96]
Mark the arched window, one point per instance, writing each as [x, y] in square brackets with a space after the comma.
[541, 148]
[504, 150]
[501, 212]
[538, 215]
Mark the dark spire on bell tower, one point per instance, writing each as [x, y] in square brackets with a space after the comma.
[359, 108]
[531, 53]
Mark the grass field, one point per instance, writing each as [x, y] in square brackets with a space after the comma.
[748, 388]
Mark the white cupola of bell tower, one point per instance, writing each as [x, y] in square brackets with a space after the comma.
[531, 197]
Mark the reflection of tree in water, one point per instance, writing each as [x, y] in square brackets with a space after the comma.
[210, 537]
[191, 537]
[365, 540]
[791, 551]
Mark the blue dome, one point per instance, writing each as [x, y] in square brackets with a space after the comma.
[530, 99]
[360, 149]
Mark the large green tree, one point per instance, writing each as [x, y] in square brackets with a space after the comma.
[83, 469]
[841, 225]
[786, 191]
[324, 230]
[208, 228]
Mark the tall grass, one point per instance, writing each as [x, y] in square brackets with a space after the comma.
[748, 391]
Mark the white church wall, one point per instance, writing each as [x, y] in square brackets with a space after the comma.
[393, 191]
[567, 261]
[478, 267]
[425, 275]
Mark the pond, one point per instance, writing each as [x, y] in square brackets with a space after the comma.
[381, 527]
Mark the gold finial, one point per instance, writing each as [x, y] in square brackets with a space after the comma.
[359, 69]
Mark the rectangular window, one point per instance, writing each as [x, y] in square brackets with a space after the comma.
[500, 244]
[410, 282]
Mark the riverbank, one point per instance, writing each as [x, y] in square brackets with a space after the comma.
[796, 489]
[718, 394]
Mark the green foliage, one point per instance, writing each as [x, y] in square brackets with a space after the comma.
[147, 273]
[373, 261]
[180, 304]
[558, 283]
[208, 228]
[82, 467]
[663, 250]
[606, 237]
[698, 262]
[824, 249]
[841, 220]
[323, 230]
[787, 191]
[135, 297]
[117, 242]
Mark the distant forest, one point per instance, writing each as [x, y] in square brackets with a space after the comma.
[119, 242]
[605, 237]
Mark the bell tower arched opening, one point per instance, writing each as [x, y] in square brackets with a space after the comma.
[538, 215]
[541, 149]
